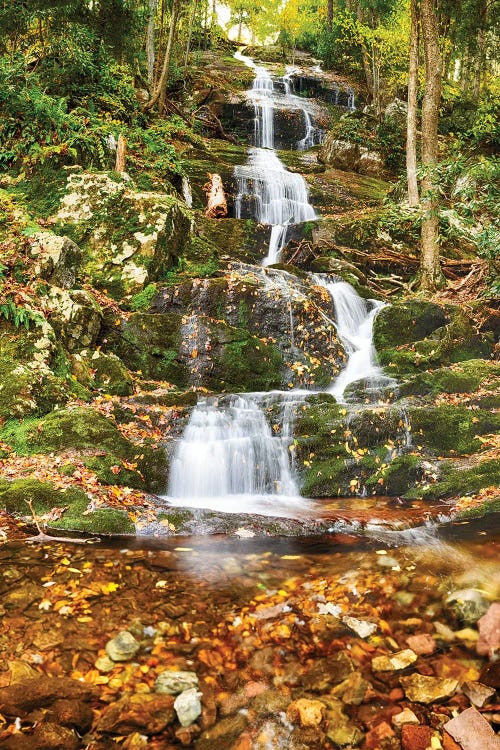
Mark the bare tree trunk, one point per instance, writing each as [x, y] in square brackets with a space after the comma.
[161, 89]
[329, 15]
[190, 31]
[216, 197]
[430, 272]
[150, 44]
[480, 53]
[411, 127]
[367, 68]
[121, 154]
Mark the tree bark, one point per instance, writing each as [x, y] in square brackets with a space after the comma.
[160, 93]
[430, 271]
[190, 32]
[121, 154]
[150, 44]
[411, 126]
[329, 15]
[480, 52]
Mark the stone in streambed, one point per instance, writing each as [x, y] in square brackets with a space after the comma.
[377, 735]
[40, 692]
[405, 717]
[477, 693]
[188, 707]
[467, 605]
[394, 662]
[309, 713]
[422, 689]
[173, 683]
[489, 632]
[415, 737]
[423, 644]
[123, 647]
[145, 712]
[341, 730]
[472, 731]
[362, 628]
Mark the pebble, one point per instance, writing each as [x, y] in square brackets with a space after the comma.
[309, 713]
[173, 683]
[472, 731]
[363, 628]
[405, 717]
[415, 737]
[468, 605]
[375, 737]
[104, 664]
[394, 662]
[423, 644]
[489, 632]
[187, 706]
[422, 689]
[123, 647]
[477, 693]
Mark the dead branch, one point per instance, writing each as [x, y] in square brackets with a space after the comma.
[42, 537]
[216, 197]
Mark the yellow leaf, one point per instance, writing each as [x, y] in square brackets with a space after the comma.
[108, 588]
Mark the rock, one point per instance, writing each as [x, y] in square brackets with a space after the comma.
[423, 689]
[467, 605]
[386, 561]
[17, 700]
[376, 736]
[187, 706]
[327, 673]
[123, 647]
[477, 693]
[309, 713]
[396, 110]
[489, 632]
[394, 662]
[423, 644]
[175, 682]
[415, 737]
[145, 712]
[105, 664]
[350, 157]
[472, 731]
[353, 690]
[57, 259]
[75, 316]
[72, 713]
[405, 717]
[363, 628]
[223, 734]
[340, 729]
[51, 736]
[106, 372]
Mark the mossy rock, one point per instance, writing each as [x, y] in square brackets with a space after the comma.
[150, 343]
[168, 398]
[406, 322]
[465, 377]
[14, 497]
[451, 429]
[326, 479]
[103, 372]
[456, 482]
[103, 521]
[240, 239]
[401, 474]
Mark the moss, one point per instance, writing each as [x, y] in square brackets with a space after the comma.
[326, 479]
[406, 322]
[249, 365]
[103, 372]
[168, 398]
[451, 429]
[456, 482]
[398, 476]
[102, 521]
[466, 377]
[142, 302]
[486, 508]
[43, 495]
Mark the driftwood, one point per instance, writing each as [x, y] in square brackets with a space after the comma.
[121, 154]
[216, 197]
[210, 120]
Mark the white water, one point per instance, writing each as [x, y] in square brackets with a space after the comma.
[267, 191]
[354, 318]
[229, 459]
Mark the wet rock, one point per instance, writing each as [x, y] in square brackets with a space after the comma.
[477, 693]
[309, 713]
[377, 735]
[472, 731]
[123, 647]
[105, 664]
[173, 683]
[467, 605]
[350, 157]
[415, 737]
[223, 734]
[145, 712]
[41, 692]
[405, 717]
[394, 662]
[423, 644]
[363, 628]
[340, 729]
[57, 259]
[353, 690]
[72, 713]
[423, 689]
[187, 706]
[22, 596]
[270, 702]
[327, 673]
[489, 632]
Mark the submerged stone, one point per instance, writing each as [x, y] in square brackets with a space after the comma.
[175, 682]
[423, 689]
[187, 706]
[123, 647]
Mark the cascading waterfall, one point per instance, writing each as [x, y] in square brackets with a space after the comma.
[354, 318]
[267, 191]
[230, 460]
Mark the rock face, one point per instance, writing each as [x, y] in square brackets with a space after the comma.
[58, 259]
[132, 237]
[350, 157]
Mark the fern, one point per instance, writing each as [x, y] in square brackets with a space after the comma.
[20, 316]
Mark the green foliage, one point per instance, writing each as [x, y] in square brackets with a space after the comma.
[19, 316]
[142, 300]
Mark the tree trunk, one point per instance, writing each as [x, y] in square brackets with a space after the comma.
[411, 127]
[150, 44]
[367, 68]
[160, 93]
[216, 197]
[190, 32]
[329, 15]
[121, 154]
[430, 272]
[480, 52]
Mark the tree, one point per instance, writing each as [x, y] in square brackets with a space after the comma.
[160, 94]
[411, 131]
[430, 272]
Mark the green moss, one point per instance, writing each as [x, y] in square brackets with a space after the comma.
[14, 497]
[406, 322]
[142, 302]
[466, 377]
[479, 511]
[326, 479]
[456, 482]
[451, 429]
[103, 372]
[249, 365]
[398, 476]
[102, 521]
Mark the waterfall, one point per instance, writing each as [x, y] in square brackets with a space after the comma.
[354, 318]
[230, 460]
[267, 191]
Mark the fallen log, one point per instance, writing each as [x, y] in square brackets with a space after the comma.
[216, 197]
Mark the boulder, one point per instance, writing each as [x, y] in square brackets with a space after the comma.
[57, 259]
[104, 372]
[75, 316]
[145, 712]
[350, 157]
